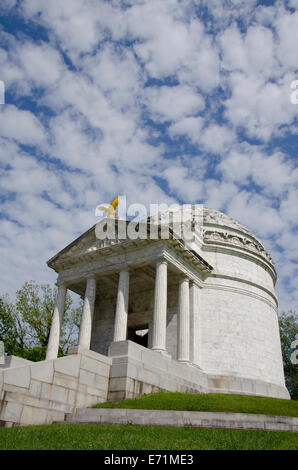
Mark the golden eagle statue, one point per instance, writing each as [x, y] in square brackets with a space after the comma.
[111, 208]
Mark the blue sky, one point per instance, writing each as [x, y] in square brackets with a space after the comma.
[163, 101]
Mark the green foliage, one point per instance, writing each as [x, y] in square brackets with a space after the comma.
[36, 354]
[117, 437]
[288, 324]
[208, 402]
[12, 332]
[25, 326]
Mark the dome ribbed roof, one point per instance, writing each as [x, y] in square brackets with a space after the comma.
[212, 216]
[220, 228]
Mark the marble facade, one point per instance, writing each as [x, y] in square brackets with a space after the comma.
[164, 314]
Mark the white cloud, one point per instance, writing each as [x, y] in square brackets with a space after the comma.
[273, 173]
[190, 126]
[182, 183]
[255, 211]
[41, 63]
[287, 30]
[243, 52]
[75, 26]
[225, 11]
[25, 65]
[289, 209]
[217, 194]
[7, 4]
[117, 73]
[293, 4]
[106, 67]
[170, 44]
[259, 107]
[214, 138]
[22, 126]
[170, 103]
[217, 139]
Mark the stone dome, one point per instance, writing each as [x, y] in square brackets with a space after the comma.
[219, 228]
[212, 216]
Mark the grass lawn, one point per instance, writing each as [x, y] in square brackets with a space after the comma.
[208, 402]
[117, 437]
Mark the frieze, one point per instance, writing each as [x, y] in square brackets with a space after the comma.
[89, 249]
[212, 236]
[213, 217]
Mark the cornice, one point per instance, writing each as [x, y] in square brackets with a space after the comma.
[246, 243]
[239, 290]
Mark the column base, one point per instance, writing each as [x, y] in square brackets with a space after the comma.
[76, 350]
[161, 351]
[195, 365]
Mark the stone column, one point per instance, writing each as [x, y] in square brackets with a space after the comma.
[54, 339]
[120, 327]
[160, 308]
[87, 315]
[195, 330]
[183, 320]
[150, 328]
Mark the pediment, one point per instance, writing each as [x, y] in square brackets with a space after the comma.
[86, 248]
[86, 244]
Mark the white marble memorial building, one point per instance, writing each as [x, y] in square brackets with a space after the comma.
[159, 314]
[199, 315]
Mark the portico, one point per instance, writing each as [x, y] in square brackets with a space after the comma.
[130, 287]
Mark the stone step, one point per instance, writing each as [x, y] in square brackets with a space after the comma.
[200, 419]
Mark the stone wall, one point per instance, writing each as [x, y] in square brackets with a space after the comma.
[240, 336]
[239, 325]
[14, 361]
[42, 392]
[137, 371]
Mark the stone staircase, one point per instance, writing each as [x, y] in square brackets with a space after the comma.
[199, 419]
[43, 392]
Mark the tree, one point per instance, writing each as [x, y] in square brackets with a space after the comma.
[25, 326]
[10, 332]
[288, 324]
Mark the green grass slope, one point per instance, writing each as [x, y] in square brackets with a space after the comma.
[208, 402]
[117, 437]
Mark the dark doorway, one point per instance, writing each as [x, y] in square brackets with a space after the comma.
[138, 335]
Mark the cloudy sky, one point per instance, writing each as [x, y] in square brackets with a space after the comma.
[159, 100]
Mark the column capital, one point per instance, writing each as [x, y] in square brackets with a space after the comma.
[161, 260]
[184, 277]
[61, 284]
[194, 282]
[90, 276]
[125, 269]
